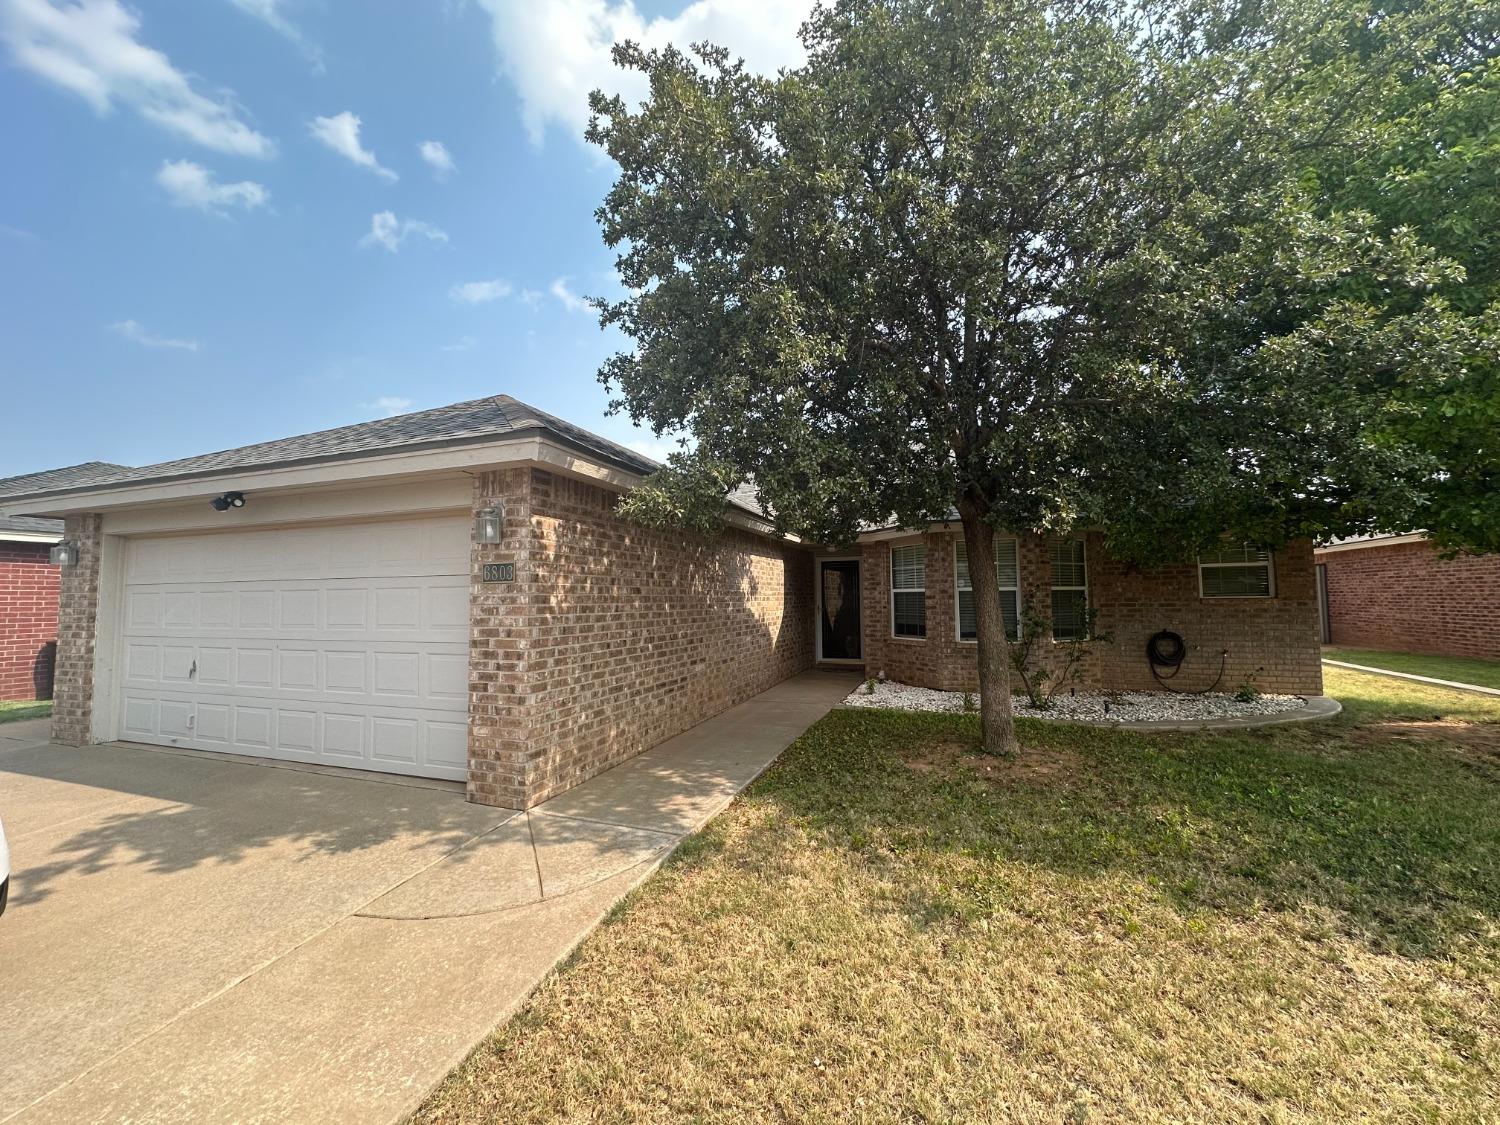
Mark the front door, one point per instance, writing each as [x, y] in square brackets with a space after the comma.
[838, 609]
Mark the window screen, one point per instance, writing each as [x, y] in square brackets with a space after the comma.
[909, 591]
[1010, 594]
[1236, 572]
[1070, 590]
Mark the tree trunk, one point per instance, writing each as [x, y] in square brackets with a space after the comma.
[996, 723]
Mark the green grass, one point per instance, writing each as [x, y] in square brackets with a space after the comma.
[16, 710]
[1461, 669]
[1294, 923]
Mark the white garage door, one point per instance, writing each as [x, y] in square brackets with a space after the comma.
[341, 645]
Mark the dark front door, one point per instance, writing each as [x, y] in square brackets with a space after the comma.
[838, 609]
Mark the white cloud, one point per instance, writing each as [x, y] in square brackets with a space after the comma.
[270, 13]
[133, 331]
[387, 406]
[478, 292]
[556, 52]
[437, 156]
[20, 234]
[192, 185]
[532, 298]
[341, 133]
[570, 300]
[388, 231]
[462, 344]
[91, 49]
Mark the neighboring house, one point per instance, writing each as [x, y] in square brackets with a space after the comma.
[451, 594]
[28, 588]
[1397, 592]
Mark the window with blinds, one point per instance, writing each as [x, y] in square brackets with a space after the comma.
[909, 591]
[1010, 589]
[1236, 571]
[1070, 590]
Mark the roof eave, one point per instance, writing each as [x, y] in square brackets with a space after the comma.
[535, 446]
[8, 535]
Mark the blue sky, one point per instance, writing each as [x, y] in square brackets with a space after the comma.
[225, 221]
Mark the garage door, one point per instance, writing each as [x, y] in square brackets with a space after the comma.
[339, 645]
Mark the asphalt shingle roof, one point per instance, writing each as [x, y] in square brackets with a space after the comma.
[49, 480]
[464, 422]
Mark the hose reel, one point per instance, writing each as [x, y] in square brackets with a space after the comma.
[1167, 650]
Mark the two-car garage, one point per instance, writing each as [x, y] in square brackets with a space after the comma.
[335, 644]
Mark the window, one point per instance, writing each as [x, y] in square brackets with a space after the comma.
[1236, 572]
[1070, 590]
[909, 591]
[1010, 594]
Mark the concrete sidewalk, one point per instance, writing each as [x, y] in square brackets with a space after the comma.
[201, 940]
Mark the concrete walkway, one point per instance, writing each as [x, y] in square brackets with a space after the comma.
[194, 939]
[1434, 681]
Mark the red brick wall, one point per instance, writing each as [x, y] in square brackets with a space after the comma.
[28, 621]
[1403, 596]
[1271, 642]
[613, 637]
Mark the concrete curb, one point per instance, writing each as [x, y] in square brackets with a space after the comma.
[1412, 676]
[1315, 707]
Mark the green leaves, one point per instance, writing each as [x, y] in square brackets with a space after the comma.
[1175, 268]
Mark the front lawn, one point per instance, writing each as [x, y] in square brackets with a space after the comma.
[1461, 669]
[13, 711]
[1294, 923]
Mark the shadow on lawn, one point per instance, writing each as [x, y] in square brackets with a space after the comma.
[1397, 841]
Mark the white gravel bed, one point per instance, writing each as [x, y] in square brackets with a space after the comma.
[1121, 707]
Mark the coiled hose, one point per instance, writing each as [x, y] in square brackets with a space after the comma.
[1167, 649]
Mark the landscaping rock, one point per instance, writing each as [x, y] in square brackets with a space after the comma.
[1097, 707]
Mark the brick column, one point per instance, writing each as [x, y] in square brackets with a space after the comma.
[77, 628]
[504, 620]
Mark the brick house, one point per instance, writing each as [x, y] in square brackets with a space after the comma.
[451, 594]
[1397, 592]
[29, 584]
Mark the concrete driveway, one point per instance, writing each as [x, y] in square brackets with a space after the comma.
[195, 938]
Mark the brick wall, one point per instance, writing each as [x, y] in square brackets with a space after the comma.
[77, 613]
[1272, 642]
[1403, 596]
[28, 620]
[613, 638]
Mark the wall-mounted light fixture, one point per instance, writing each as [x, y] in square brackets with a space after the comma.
[63, 554]
[227, 501]
[488, 525]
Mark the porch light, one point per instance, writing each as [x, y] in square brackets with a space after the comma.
[227, 501]
[63, 554]
[487, 525]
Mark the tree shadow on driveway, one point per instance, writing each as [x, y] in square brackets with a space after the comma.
[162, 813]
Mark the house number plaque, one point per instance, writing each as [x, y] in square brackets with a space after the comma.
[499, 572]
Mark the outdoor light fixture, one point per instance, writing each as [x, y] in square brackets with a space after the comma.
[227, 501]
[63, 554]
[487, 525]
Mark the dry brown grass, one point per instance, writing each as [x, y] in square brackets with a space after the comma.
[1296, 924]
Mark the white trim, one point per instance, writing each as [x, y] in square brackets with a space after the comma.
[1270, 580]
[1053, 588]
[890, 564]
[1373, 541]
[958, 542]
[818, 561]
[109, 644]
[7, 536]
[881, 535]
